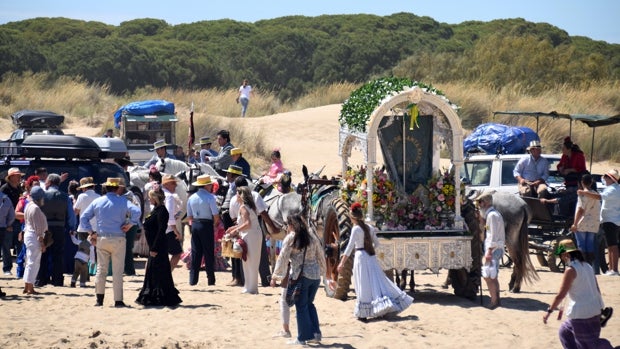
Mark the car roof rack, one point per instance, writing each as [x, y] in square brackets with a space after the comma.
[63, 147]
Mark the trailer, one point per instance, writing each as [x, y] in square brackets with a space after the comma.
[143, 123]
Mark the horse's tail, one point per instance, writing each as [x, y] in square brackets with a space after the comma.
[523, 267]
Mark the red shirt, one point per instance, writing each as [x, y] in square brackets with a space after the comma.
[576, 161]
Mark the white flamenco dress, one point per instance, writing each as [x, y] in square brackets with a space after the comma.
[376, 295]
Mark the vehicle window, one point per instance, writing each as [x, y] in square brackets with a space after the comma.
[478, 172]
[508, 167]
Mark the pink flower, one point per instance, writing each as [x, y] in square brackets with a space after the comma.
[438, 208]
[441, 197]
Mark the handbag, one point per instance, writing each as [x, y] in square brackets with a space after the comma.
[228, 250]
[48, 240]
[293, 288]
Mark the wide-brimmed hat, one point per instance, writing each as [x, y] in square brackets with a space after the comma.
[566, 245]
[86, 182]
[205, 140]
[236, 151]
[122, 162]
[13, 171]
[613, 174]
[113, 182]
[160, 144]
[534, 144]
[234, 169]
[202, 180]
[168, 179]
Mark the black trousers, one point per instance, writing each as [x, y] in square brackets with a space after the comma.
[54, 255]
[263, 267]
[203, 244]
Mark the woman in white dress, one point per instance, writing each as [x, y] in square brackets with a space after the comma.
[375, 294]
[249, 230]
[35, 227]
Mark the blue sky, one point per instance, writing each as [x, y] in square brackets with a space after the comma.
[597, 19]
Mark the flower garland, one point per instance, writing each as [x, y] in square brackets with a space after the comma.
[423, 209]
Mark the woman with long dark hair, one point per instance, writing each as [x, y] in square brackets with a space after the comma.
[582, 327]
[158, 287]
[307, 259]
[375, 294]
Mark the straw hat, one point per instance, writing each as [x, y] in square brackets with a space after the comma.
[566, 245]
[235, 151]
[12, 172]
[168, 179]
[86, 182]
[205, 140]
[534, 144]
[112, 182]
[203, 180]
[613, 174]
[159, 144]
[234, 169]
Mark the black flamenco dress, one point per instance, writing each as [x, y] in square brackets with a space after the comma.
[158, 288]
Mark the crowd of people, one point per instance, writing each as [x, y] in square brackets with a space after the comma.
[591, 211]
[103, 228]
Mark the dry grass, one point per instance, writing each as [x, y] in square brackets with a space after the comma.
[94, 106]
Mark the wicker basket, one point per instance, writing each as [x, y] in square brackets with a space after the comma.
[227, 249]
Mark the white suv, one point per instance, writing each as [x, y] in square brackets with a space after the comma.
[495, 172]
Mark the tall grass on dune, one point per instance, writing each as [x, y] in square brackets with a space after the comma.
[94, 106]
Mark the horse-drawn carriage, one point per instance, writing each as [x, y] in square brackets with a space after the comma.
[412, 124]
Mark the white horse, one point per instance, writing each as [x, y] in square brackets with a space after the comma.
[139, 177]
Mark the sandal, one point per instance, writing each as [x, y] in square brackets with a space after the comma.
[606, 315]
[282, 334]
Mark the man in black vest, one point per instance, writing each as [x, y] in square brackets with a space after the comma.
[58, 208]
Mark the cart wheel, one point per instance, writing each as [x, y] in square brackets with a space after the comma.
[542, 260]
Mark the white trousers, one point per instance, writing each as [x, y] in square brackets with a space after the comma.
[33, 257]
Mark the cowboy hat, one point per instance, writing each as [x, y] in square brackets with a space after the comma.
[13, 171]
[234, 169]
[86, 182]
[613, 174]
[534, 144]
[159, 144]
[203, 180]
[566, 245]
[112, 182]
[205, 140]
[168, 179]
[235, 151]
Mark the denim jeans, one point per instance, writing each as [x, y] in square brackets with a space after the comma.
[307, 317]
[244, 105]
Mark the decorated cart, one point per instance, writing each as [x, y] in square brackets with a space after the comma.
[411, 198]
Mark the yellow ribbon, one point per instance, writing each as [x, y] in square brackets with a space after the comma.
[414, 112]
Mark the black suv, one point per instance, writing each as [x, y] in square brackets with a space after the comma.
[77, 156]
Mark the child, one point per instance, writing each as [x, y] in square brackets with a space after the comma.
[82, 257]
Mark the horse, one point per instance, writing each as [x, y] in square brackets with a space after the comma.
[517, 215]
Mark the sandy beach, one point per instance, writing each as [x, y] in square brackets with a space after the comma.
[221, 317]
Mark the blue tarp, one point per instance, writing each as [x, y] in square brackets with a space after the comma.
[150, 107]
[498, 138]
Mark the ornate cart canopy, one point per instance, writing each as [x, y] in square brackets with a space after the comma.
[411, 122]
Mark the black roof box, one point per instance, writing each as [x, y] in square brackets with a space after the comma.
[57, 146]
[37, 118]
